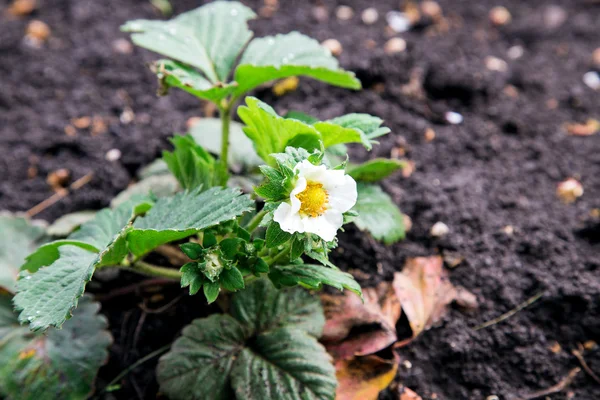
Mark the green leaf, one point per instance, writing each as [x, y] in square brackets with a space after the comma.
[175, 74]
[265, 350]
[61, 364]
[275, 236]
[374, 170]
[334, 134]
[231, 279]
[19, 238]
[156, 167]
[370, 125]
[48, 253]
[313, 277]
[211, 291]
[209, 38]
[270, 132]
[47, 297]
[192, 276]
[284, 364]
[193, 166]
[193, 250]
[300, 116]
[66, 224]
[262, 307]
[185, 214]
[207, 133]
[378, 214]
[292, 54]
[155, 185]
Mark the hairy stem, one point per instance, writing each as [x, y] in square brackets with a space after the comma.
[154, 270]
[225, 120]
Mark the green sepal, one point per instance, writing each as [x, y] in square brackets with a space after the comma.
[192, 276]
[192, 250]
[231, 279]
[211, 291]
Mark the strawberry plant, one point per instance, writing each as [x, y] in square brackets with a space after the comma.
[254, 207]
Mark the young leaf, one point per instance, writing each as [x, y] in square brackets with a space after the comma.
[207, 133]
[175, 74]
[185, 214]
[60, 364]
[275, 236]
[292, 54]
[192, 250]
[370, 125]
[192, 276]
[378, 214]
[208, 38]
[374, 170]
[313, 277]
[231, 279]
[264, 350]
[19, 238]
[211, 291]
[333, 134]
[193, 166]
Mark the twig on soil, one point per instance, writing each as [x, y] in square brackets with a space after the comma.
[579, 354]
[61, 194]
[138, 329]
[510, 313]
[134, 366]
[162, 309]
[559, 387]
[134, 288]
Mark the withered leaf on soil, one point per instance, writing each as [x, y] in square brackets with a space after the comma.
[354, 328]
[424, 291]
[363, 377]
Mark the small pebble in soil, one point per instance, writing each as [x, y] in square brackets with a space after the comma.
[554, 16]
[127, 116]
[492, 397]
[407, 364]
[453, 118]
[369, 16]
[285, 86]
[596, 57]
[569, 190]
[70, 130]
[21, 8]
[515, 52]
[431, 9]
[113, 155]
[37, 33]
[334, 46]
[320, 13]
[395, 45]
[508, 230]
[499, 16]
[81, 122]
[429, 135]
[407, 223]
[192, 121]
[439, 229]
[496, 64]
[58, 179]
[344, 13]
[592, 80]
[591, 127]
[398, 21]
[122, 46]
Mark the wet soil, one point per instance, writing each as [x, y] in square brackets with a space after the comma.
[491, 179]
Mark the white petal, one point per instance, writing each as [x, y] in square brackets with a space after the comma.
[288, 220]
[326, 225]
[299, 188]
[341, 190]
[311, 172]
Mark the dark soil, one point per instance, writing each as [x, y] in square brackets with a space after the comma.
[499, 168]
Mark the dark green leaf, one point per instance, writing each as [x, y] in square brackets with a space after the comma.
[300, 116]
[313, 277]
[297, 247]
[192, 276]
[192, 250]
[211, 291]
[276, 236]
[378, 214]
[231, 279]
[375, 170]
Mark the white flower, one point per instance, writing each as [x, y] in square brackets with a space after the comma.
[317, 202]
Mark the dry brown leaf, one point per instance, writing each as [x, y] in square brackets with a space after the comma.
[362, 378]
[424, 292]
[357, 328]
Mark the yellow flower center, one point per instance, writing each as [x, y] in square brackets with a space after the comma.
[313, 200]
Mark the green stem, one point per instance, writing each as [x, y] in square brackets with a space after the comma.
[153, 270]
[255, 221]
[225, 120]
[279, 256]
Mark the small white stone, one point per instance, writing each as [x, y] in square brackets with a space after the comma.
[113, 155]
[127, 116]
[395, 45]
[454, 118]
[515, 52]
[398, 21]
[407, 364]
[334, 46]
[496, 64]
[344, 13]
[592, 80]
[369, 16]
[122, 46]
[439, 229]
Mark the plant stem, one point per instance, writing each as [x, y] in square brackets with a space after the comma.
[225, 120]
[279, 256]
[255, 221]
[153, 270]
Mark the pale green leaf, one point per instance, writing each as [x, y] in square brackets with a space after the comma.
[209, 38]
[156, 167]
[374, 170]
[284, 364]
[378, 214]
[334, 134]
[60, 364]
[19, 238]
[369, 124]
[185, 214]
[66, 224]
[313, 277]
[207, 133]
[174, 74]
[292, 54]
[47, 253]
[191, 164]
[155, 185]
[263, 307]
